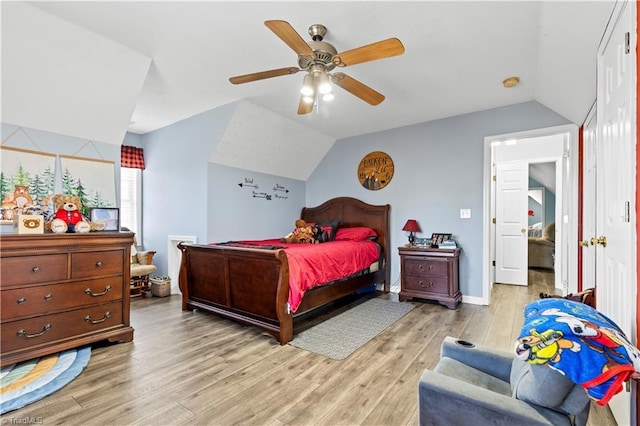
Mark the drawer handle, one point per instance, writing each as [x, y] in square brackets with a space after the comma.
[35, 269]
[99, 264]
[106, 316]
[48, 296]
[23, 333]
[21, 300]
[90, 292]
[422, 284]
[422, 267]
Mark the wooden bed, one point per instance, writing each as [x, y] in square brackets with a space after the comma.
[252, 285]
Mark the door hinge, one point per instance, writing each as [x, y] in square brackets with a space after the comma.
[493, 263]
[627, 214]
[493, 220]
[627, 43]
[493, 178]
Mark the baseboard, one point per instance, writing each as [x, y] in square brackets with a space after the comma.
[472, 300]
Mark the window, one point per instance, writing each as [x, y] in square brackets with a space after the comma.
[130, 200]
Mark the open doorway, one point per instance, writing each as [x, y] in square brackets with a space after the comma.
[541, 224]
[558, 146]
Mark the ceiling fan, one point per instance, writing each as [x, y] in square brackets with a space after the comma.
[318, 58]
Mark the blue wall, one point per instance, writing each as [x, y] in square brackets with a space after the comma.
[438, 171]
[174, 184]
[264, 207]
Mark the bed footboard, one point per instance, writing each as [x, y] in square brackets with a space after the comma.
[243, 284]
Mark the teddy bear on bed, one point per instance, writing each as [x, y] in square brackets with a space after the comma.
[67, 216]
[303, 233]
[306, 233]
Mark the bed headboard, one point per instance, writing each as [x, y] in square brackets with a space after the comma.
[353, 212]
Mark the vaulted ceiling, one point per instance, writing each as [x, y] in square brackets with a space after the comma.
[99, 69]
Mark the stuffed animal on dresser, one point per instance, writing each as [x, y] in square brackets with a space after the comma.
[67, 216]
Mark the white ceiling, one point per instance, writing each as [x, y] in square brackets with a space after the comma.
[98, 69]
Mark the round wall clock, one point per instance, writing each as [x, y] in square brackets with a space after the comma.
[375, 170]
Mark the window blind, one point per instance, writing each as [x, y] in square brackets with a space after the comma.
[130, 209]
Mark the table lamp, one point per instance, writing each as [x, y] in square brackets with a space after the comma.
[411, 226]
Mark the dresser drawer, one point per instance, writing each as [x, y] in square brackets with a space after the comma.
[426, 267]
[95, 263]
[33, 269]
[37, 331]
[32, 301]
[427, 284]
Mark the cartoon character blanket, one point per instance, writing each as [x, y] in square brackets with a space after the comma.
[581, 343]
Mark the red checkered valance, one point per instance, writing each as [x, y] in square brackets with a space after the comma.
[131, 157]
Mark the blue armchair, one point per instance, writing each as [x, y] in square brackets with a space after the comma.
[480, 385]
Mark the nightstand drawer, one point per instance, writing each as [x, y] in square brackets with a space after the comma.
[427, 284]
[426, 267]
[430, 273]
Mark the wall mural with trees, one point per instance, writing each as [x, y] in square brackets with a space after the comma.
[28, 178]
[27, 182]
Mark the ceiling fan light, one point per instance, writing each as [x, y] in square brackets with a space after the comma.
[324, 86]
[307, 99]
[308, 88]
[328, 97]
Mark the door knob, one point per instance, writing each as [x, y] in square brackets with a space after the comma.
[583, 243]
[523, 230]
[601, 240]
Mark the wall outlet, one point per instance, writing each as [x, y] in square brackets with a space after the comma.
[465, 213]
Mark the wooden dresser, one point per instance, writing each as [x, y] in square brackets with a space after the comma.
[430, 273]
[60, 291]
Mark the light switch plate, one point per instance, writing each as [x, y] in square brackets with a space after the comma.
[465, 213]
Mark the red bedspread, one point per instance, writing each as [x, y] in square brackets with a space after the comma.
[311, 265]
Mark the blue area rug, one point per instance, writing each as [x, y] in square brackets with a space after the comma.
[32, 380]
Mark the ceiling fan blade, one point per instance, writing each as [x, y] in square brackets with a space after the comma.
[304, 107]
[371, 52]
[285, 31]
[356, 88]
[262, 75]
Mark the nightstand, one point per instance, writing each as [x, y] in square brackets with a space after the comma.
[430, 273]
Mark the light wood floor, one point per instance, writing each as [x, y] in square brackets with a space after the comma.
[186, 368]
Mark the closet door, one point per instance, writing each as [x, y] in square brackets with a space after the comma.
[615, 249]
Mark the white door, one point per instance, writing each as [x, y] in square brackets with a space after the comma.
[512, 187]
[589, 201]
[615, 268]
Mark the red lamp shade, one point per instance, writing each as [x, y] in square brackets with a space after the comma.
[411, 226]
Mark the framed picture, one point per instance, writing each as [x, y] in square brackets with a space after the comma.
[436, 239]
[106, 215]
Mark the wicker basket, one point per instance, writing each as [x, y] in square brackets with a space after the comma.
[160, 286]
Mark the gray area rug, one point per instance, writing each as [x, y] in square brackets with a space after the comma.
[340, 336]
